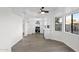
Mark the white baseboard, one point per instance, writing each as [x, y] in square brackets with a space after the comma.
[8, 49]
[14, 43]
[5, 50]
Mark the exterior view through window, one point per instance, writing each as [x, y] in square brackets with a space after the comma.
[72, 23]
[68, 23]
[58, 24]
[76, 23]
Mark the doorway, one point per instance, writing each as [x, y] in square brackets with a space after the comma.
[37, 29]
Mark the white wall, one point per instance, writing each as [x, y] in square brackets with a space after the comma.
[72, 40]
[10, 29]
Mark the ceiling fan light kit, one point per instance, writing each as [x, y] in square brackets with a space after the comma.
[43, 11]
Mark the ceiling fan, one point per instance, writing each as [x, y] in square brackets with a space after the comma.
[43, 11]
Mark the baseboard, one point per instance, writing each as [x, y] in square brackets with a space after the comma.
[8, 49]
[65, 44]
[5, 50]
[14, 43]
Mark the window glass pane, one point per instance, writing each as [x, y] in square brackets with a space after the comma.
[68, 23]
[76, 23]
[58, 24]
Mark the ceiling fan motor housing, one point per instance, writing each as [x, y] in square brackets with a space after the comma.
[42, 10]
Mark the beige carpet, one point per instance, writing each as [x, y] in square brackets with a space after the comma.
[36, 43]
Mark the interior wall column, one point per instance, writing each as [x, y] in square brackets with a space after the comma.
[63, 24]
[53, 23]
[24, 24]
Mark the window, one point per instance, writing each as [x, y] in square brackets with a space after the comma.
[76, 23]
[68, 23]
[72, 23]
[58, 24]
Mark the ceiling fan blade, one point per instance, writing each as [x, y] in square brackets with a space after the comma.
[42, 10]
[46, 11]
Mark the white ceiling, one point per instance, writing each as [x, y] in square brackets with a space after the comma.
[34, 11]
